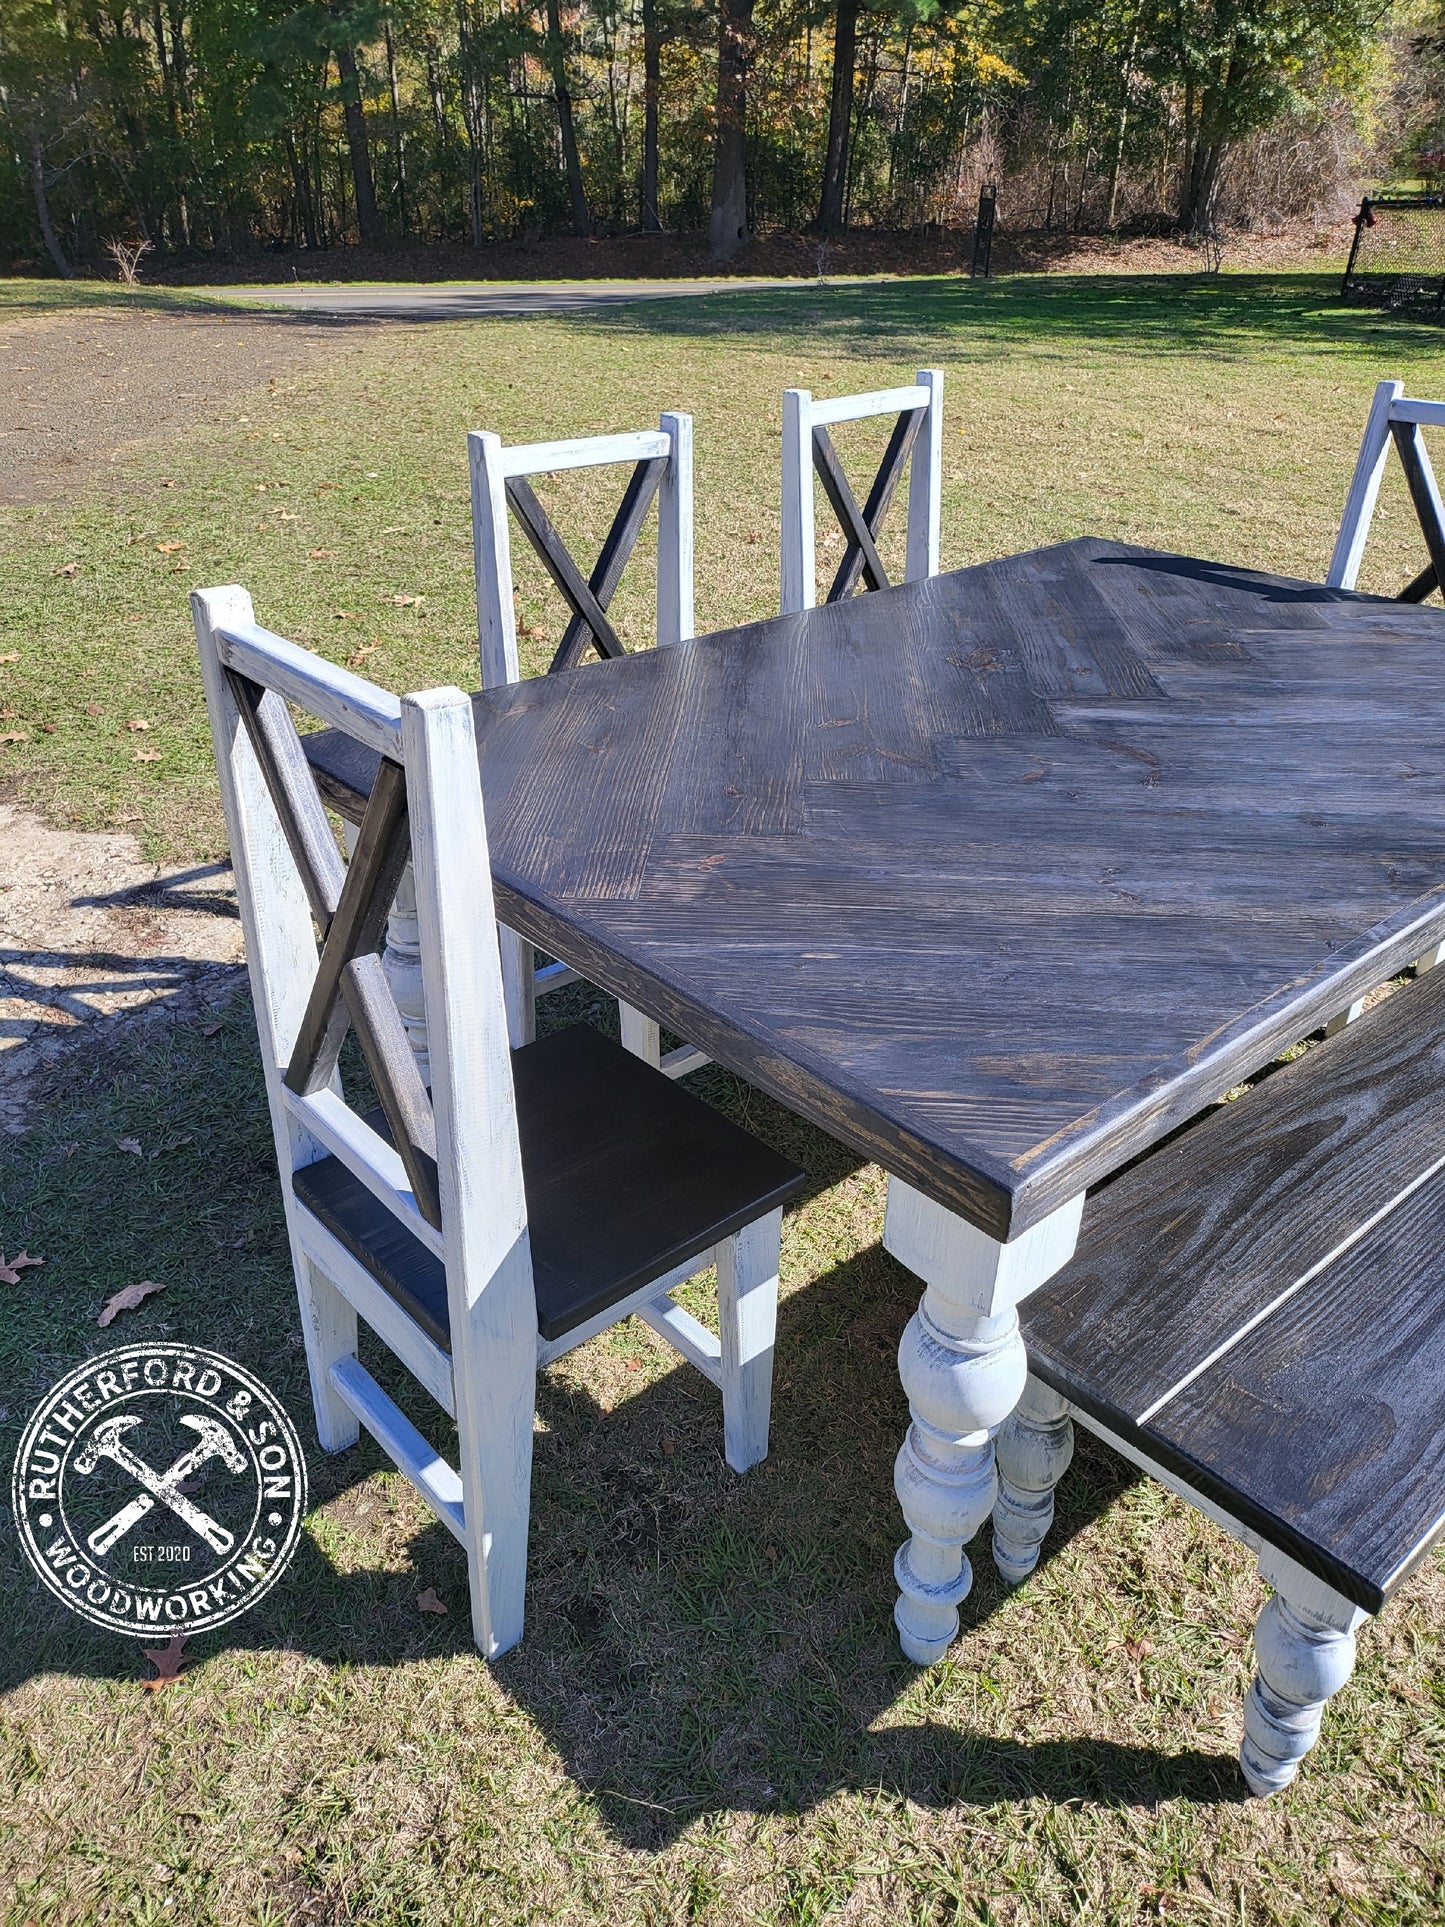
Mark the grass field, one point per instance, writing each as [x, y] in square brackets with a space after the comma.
[708, 1721]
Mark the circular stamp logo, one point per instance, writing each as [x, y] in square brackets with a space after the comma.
[159, 1488]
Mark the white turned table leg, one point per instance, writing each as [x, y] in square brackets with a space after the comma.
[963, 1367]
[641, 1035]
[401, 961]
[1034, 1448]
[1304, 1650]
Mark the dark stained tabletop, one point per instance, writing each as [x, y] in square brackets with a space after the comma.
[997, 876]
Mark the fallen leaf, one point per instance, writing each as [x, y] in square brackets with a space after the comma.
[668, 1445]
[10, 1269]
[321, 487]
[166, 482]
[358, 656]
[319, 555]
[12, 656]
[169, 548]
[47, 729]
[92, 709]
[287, 515]
[70, 568]
[14, 736]
[167, 1660]
[1138, 1649]
[427, 1602]
[373, 474]
[209, 1030]
[146, 756]
[131, 1144]
[633, 1365]
[137, 722]
[343, 615]
[403, 601]
[127, 1300]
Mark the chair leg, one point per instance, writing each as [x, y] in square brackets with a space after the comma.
[519, 986]
[747, 1291]
[1301, 1659]
[641, 1035]
[1033, 1451]
[328, 1326]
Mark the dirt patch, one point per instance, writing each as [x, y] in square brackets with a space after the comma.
[76, 387]
[660, 257]
[90, 935]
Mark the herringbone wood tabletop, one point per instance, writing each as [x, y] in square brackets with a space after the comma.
[1000, 875]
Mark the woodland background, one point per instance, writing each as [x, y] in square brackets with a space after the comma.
[224, 127]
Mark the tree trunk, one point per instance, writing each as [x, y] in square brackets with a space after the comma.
[42, 206]
[398, 139]
[728, 222]
[368, 221]
[571, 159]
[840, 118]
[651, 98]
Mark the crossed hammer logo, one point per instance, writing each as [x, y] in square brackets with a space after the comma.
[161, 1488]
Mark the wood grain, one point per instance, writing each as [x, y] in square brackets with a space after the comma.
[999, 876]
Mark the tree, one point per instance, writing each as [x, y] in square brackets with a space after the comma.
[348, 30]
[728, 217]
[1242, 63]
[567, 126]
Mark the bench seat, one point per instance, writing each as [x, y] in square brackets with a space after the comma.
[1259, 1306]
[599, 1130]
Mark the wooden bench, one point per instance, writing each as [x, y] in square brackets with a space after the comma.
[1256, 1315]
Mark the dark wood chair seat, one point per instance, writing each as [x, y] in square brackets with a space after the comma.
[1227, 1316]
[626, 1175]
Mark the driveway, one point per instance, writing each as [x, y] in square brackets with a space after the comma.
[467, 300]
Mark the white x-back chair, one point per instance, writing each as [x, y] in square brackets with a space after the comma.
[534, 1198]
[917, 440]
[1393, 417]
[661, 461]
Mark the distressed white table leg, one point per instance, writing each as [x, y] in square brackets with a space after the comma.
[1304, 1650]
[401, 961]
[1338, 1022]
[963, 1367]
[747, 1301]
[1429, 960]
[1034, 1448]
[641, 1035]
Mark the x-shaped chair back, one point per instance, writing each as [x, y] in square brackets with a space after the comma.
[917, 438]
[661, 461]
[1393, 418]
[451, 1174]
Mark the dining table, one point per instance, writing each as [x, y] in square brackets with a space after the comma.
[999, 877]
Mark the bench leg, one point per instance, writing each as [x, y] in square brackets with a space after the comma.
[1304, 1649]
[747, 1298]
[1035, 1446]
[963, 1366]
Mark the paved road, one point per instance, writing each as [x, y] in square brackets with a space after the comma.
[461, 300]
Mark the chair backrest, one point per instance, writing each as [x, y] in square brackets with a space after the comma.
[662, 467]
[452, 1175]
[1393, 417]
[807, 445]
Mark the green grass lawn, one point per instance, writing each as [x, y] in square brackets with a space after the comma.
[709, 1720]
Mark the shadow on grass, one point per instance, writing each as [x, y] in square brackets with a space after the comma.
[696, 1642]
[1231, 315]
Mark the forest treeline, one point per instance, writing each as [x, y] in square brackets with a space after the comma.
[230, 125]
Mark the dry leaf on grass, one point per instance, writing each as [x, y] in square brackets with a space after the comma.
[127, 1300]
[169, 548]
[10, 1269]
[343, 615]
[14, 736]
[358, 656]
[146, 756]
[403, 601]
[209, 1030]
[167, 1660]
[12, 655]
[131, 1144]
[137, 722]
[70, 568]
[427, 1602]
[320, 555]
